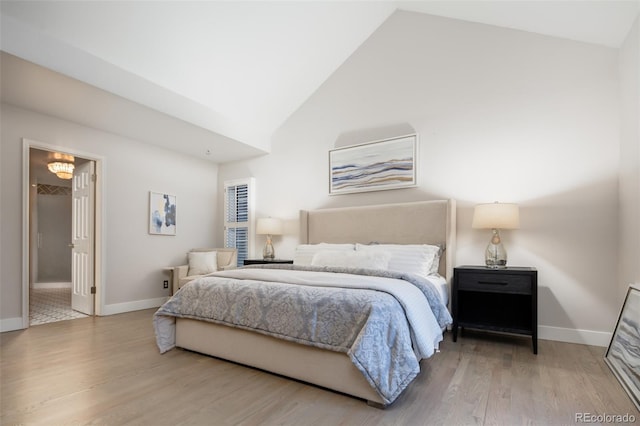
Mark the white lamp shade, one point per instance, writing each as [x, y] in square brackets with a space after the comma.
[269, 226]
[496, 216]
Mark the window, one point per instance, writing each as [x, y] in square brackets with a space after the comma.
[238, 216]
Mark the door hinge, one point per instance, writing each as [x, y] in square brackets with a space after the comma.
[93, 177]
[93, 290]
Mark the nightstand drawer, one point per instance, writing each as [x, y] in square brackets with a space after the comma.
[501, 283]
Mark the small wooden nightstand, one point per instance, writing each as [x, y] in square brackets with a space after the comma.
[502, 300]
[266, 261]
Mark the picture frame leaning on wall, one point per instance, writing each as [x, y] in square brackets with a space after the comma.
[623, 354]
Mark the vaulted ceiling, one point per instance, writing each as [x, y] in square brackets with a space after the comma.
[215, 79]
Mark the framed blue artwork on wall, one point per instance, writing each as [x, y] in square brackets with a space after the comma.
[162, 214]
[374, 166]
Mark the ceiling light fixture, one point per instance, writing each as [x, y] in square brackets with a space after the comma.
[60, 169]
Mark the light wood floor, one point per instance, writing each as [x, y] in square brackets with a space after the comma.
[107, 371]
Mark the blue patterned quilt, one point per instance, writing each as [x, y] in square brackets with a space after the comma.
[385, 322]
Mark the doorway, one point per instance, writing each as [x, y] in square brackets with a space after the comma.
[60, 231]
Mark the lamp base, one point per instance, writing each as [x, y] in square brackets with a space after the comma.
[495, 256]
[268, 253]
[493, 265]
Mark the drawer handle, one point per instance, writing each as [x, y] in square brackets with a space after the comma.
[493, 282]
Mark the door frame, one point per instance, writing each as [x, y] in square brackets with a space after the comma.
[99, 248]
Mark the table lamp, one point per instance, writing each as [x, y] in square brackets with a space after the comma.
[269, 226]
[496, 216]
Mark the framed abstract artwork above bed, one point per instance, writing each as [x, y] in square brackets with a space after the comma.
[374, 166]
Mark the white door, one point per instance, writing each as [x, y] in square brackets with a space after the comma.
[82, 263]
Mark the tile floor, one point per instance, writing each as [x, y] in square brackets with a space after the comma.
[50, 305]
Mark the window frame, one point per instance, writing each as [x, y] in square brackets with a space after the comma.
[249, 224]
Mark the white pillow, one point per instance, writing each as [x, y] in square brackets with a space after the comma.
[353, 259]
[420, 259]
[202, 262]
[304, 252]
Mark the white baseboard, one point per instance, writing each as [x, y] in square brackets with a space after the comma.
[570, 335]
[138, 305]
[11, 324]
[52, 285]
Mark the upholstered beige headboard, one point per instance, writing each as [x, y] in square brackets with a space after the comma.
[422, 222]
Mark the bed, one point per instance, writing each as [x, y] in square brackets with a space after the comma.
[417, 223]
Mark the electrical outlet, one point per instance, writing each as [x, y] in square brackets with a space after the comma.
[165, 284]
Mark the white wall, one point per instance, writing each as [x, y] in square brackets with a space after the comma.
[630, 162]
[54, 229]
[501, 115]
[133, 259]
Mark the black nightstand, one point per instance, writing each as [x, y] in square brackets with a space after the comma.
[502, 300]
[265, 261]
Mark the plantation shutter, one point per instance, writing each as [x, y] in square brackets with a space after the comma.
[238, 213]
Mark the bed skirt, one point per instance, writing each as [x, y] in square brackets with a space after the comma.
[328, 369]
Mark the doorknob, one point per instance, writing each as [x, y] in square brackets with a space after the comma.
[72, 245]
